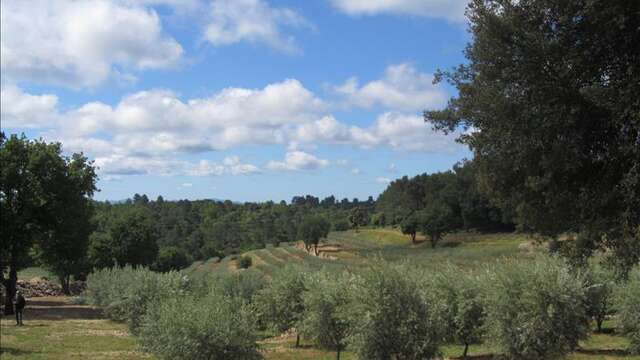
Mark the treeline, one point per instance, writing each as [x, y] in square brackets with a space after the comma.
[535, 309]
[435, 204]
[168, 235]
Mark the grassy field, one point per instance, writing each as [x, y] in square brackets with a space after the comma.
[55, 329]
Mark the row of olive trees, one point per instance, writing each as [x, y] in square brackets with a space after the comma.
[537, 309]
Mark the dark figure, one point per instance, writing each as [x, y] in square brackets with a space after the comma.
[19, 303]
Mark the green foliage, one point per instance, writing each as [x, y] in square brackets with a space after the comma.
[358, 217]
[327, 306]
[208, 328]
[244, 262]
[340, 225]
[600, 283]
[44, 201]
[535, 309]
[279, 305]
[391, 318]
[464, 312]
[312, 229]
[409, 226]
[127, 293]
[171, 258]
[628, 308]
[437, 219]
[243, 285]
[547, 89]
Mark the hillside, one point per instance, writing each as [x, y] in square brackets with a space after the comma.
[351, 248]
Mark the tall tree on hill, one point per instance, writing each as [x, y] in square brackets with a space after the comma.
[550, 96]
[38, 185]
[311, 230]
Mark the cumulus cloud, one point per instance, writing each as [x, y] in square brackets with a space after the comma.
[254, 21]
[19, 109]
[298, 160]
[402, 88]
[81, 43]
[383, 180]
[451, 10]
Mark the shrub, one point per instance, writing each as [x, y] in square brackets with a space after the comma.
[535, 309]
[341, 225]
[126, 293]
[628, 307]
[391, 318]
[463, 314]
[243, 285]
[171, 258]
[599, 293]
[280, 305]
[244, 262]
[212, 327]
[327, 309]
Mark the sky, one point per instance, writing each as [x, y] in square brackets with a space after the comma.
[247, 100]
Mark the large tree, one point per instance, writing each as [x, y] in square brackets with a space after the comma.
[550, 97]
[40, 192]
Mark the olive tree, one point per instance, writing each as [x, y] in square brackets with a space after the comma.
[213, 327]
[392, 318]
[280, 305]
[600, 283]
[628, 307]
[535, 308]
[327, 310]
[464, 311]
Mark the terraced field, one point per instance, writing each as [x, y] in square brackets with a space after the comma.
[351, 248]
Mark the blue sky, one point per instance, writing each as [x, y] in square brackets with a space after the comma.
[248, 100]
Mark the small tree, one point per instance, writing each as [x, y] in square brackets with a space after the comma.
[535, 309]
[409, 226]
[280, 305]
[312, 229]
[358, 217]
[327, 310]
[464, 310]
[437, 219]
[171, 258]
[599, 295]
[391, 318]
[214, 327]
[628, 307]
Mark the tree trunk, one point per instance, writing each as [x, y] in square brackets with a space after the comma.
[297, 339]
[413, 238]
[466, 348]
[599, 325]
[434, 241]
[65, 281]
[338, 354]
[10, 287]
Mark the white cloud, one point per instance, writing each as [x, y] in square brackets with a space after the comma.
[254, 21]
[117, 165]
[401, 88]
[81, 43]
[383, 180]
[298, 160]
[355, 171]
[451, 10]
[18, 109]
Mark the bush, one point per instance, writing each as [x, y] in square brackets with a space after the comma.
[244, 262]
[280, 305]
[464, 313]
[327, 309]
[213, 327]
[535, 309]
[171, 258]
[628, 307]
[599, 293]
[341, 225]
[243, 285]
[391, 318]
[126, 293]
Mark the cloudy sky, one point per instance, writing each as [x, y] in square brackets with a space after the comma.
[247, 100]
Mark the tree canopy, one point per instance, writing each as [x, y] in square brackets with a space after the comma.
[549, 99]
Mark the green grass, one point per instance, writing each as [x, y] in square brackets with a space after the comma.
[32, 272]
[55, 329]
